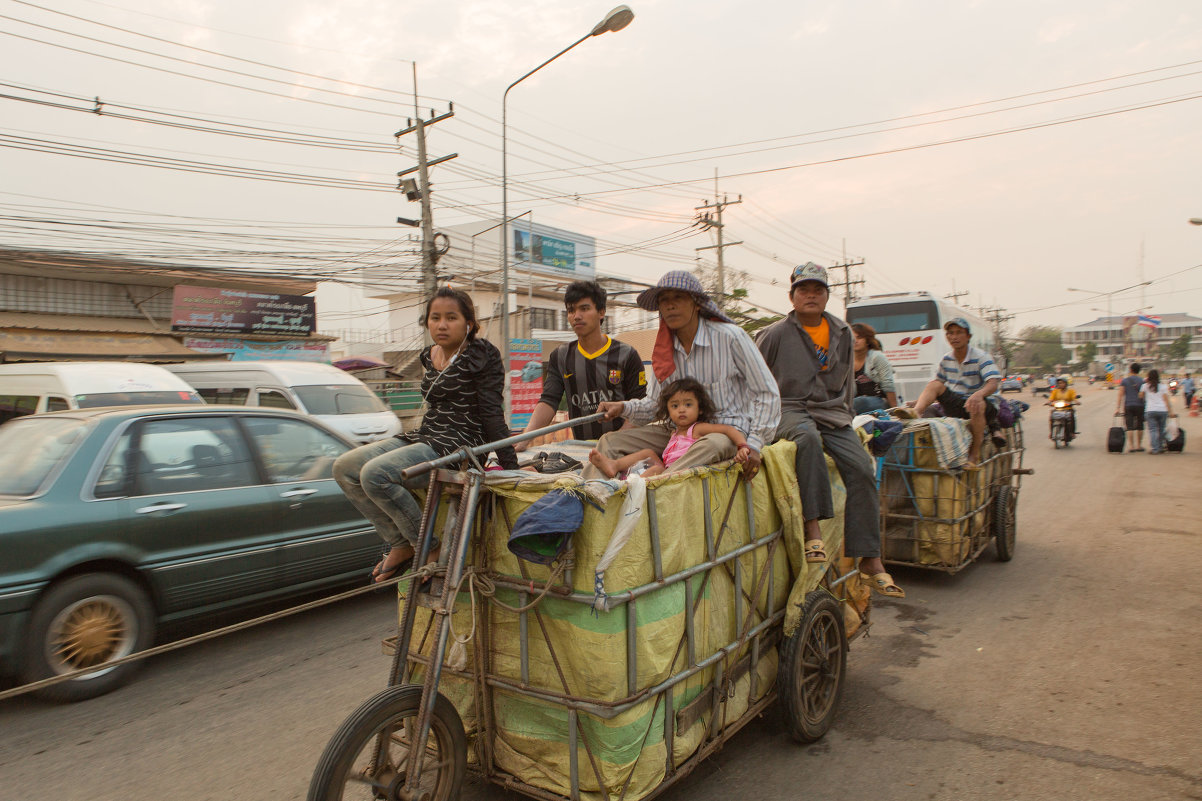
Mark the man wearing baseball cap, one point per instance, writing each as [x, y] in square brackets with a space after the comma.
[696, 340]
[962, 385]
[811, 355]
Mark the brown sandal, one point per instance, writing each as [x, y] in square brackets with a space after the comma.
[815, 551]
[883, 583]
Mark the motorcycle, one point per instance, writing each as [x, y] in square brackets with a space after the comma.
[1173, 387]
[1062, 423]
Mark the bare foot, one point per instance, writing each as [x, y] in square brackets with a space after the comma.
[652, 471]
[607, 466]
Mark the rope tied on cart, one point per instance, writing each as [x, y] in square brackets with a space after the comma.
[478, 580]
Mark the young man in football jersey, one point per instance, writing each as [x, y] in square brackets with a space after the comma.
[592, 369]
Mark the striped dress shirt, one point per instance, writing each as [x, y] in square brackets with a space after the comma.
[968, 376]
[726, 362]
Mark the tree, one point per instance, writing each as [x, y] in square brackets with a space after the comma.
[735, 303]
[1039, 349]
[1086, 354]
[1179, 348]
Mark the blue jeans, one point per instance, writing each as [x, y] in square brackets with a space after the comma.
[370, 476]
[1157, 435]
[863, 404]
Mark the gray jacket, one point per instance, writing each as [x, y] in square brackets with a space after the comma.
[825, 395]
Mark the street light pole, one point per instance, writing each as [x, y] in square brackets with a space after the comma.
[615, 20]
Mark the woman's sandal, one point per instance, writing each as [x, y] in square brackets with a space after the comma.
[380, 573]
[883, 583]
[815, 551]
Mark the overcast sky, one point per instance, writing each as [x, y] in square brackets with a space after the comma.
[1009, 149]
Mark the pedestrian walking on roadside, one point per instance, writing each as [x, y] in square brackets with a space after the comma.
[1187, 387]
[1131, 407]
[1158, 409]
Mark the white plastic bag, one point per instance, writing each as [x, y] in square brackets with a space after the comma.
[1172, 430]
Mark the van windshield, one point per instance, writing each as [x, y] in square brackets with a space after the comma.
[134, 398]
[339, 399]
[30, 449]
[891, 318]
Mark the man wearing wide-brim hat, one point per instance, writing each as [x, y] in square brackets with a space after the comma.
[811, 354]
[696, 340]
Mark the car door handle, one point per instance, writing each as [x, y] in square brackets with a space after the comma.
[298, 493]
[160, 507]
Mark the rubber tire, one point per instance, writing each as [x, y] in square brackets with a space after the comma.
[59, 598]
[821, 622]
[1005, 527]
[329, 777]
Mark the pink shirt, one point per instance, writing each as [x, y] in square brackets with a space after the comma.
[677, 444]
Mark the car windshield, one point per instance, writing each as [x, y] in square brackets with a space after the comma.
[339, 399]
[30, 449]
[135, 398]
[891, 318]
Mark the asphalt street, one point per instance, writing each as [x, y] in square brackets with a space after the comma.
[1069, 672]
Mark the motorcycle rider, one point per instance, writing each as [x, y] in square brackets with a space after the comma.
[1062, 392]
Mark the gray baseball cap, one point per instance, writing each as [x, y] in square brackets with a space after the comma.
[808, 272]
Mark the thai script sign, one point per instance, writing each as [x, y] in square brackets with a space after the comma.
[210, 310]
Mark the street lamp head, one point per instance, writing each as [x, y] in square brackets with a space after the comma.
[1195, 220]
[614, 21]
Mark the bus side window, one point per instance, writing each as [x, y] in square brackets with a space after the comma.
[56, 404]
[17, 406]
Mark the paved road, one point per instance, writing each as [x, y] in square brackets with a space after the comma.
[1070, 672]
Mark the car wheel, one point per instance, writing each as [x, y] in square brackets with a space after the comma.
[82, 622]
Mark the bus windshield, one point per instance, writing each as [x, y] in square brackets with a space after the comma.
[891, 318]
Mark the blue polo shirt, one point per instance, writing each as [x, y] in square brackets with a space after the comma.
[970, 375]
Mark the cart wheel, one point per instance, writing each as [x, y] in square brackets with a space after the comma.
[386, 720]
[1005, 527]
[813, 663]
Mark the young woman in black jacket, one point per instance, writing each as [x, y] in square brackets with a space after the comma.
[463, 386]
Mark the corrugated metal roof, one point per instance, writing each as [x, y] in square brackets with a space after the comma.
[29, 345]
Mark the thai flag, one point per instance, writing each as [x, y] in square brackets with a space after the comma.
[1150, 320]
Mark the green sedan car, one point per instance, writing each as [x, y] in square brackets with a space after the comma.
[116, 521]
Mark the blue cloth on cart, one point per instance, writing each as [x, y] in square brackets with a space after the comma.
[883, 433]
[951, 438]
[542, 532]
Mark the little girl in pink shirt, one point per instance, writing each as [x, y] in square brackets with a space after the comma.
[685, 405]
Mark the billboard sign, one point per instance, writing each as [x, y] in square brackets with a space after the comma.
[211, 310]
[551, 255]
[525, 382]
[240, 350]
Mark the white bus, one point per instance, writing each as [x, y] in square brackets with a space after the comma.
[910, 328]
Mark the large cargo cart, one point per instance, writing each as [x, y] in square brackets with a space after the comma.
[682, 610]
[942, 518]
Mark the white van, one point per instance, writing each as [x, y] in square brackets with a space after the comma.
[333, 396]
[33, 387]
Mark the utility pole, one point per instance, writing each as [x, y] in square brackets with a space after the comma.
[714, 220]
[421, 191]
[848, 284]
[954, 296]
[998, 318]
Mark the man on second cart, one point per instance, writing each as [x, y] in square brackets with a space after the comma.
[810, 353]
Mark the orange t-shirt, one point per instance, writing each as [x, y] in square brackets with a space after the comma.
[821, 334]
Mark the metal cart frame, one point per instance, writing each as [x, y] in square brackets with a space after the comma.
[815, 656]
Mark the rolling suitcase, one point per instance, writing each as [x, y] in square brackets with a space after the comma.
[1116, 438]
[1177, 443]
